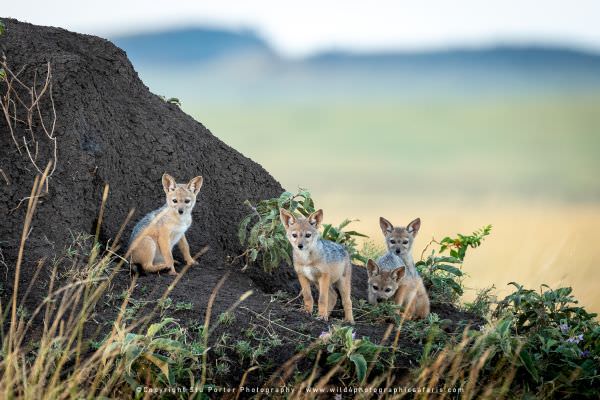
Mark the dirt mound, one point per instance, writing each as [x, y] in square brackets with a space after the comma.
[111, 129]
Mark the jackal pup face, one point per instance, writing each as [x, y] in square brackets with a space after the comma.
[302, 233]
[181, 197]
[399, 239]
[383, 284]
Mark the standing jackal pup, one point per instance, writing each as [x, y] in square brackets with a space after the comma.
[319, 261]
[153, 238]
[395, 273]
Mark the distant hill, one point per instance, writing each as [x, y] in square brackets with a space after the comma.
[189, 45]
[500, 55]
[239, 65]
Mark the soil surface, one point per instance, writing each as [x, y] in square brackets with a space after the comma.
[112, 130]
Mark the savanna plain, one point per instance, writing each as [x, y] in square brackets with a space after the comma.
[525, 164]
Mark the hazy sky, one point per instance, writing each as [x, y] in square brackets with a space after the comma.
[296, 28]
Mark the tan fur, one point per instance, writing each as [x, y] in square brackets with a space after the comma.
[407, 292]
[152, 247]
[314, 265]
[399, 239]
[411, 294]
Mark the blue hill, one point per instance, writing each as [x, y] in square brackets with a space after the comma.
[239, 65]
[189, 45]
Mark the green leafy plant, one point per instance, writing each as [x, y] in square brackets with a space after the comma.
[458, 245]
[264, 236]
[561, 340]
[351, 353]
[539, 344]
[226, 318]
[483, 302]
[443, 273]
[162, 350]
[183, 306]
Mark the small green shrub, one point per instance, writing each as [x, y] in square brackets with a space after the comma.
[443, 273]
[266, 240]
[561, 351]
[161, 350]
[226, 318]
[184, 306]
[540, 344]
[342, 346]
[483, 302]
[458, 246]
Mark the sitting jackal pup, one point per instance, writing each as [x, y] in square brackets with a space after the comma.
[319, 261]
[153, 238]
[395, 273]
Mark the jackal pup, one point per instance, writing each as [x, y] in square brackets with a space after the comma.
[319, 261]
[154, 236]
[395, 274]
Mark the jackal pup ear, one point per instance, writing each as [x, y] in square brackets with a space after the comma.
[386, 226]
[316, 218]
[287, 218]
[414, 226]
[195, 184]
[372, 268]
[398, 273]
[168, 183]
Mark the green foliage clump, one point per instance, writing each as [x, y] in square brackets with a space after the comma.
[161, 354]
[266, 240]
[561, 341]
[538, 344]
[442, 273]
[458, 246]
[351, 353]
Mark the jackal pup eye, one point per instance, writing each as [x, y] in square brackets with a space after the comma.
[174, 200]
[307, 235]
[387, 289]
[294, 235]
[187, 201]
[392, 241]
[375, 287]
[405, 241]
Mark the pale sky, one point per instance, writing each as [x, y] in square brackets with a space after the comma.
[301, 27]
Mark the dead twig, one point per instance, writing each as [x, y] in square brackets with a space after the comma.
[21, 106]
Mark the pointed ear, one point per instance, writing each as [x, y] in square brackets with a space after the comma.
[316, 218]
[414, 226]
[398, 273]
[372, 268]
[195, 184]
[386, 226]
[168, 182]
[287, 218]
